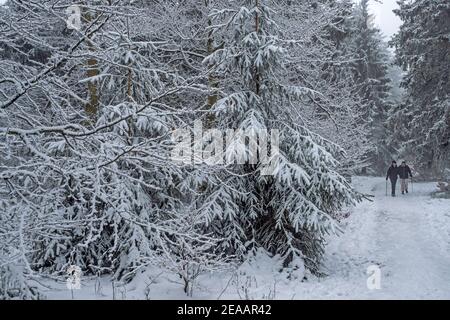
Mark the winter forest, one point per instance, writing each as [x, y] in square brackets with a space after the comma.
[93, 203]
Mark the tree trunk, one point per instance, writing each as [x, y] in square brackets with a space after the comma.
[91, 107]
[257, 76]
[212, 80]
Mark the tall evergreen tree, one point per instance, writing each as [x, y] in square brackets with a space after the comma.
[372, 68]
[290, 212]
[422, 120]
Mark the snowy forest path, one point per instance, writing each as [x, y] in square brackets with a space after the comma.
[416, 260]
[408, 237]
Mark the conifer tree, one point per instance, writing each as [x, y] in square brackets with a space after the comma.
[373, 83]
[422, 120]
[291, 211]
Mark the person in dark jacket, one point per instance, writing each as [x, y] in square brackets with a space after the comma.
[392, 174]
[404, 171]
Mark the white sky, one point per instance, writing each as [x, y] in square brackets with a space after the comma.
[386, 20]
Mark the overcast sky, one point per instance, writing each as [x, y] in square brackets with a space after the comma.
[386, 20]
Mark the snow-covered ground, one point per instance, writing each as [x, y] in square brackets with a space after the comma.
[408, 237]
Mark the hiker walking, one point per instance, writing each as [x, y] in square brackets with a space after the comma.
[392, 174]
[404, 171]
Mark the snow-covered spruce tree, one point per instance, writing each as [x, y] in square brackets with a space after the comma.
[290, 212]
[372, 67]
[422, 121]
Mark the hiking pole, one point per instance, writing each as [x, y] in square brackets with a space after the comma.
[386, 188]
